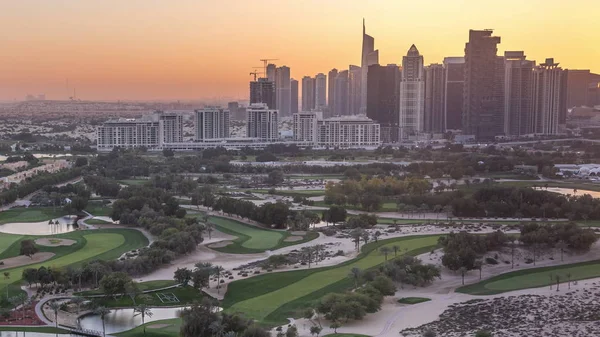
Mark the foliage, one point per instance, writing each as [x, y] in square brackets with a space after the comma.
[28, 248]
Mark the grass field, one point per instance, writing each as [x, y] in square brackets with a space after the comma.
[97, 222]
[6, 240]
[252, 239]
[274, 297]
[413, 300]
[532, 278]
[186, 296]
[385, 207]
[40, 329]
[171, 329]
[98, 209]
[142, 286]
[102, 244]
[33, 214]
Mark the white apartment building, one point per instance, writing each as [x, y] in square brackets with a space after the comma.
[355, 131]
[412, 95]
[262, 122]
[211, 123]
[150, 131]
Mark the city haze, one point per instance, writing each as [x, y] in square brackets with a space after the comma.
[151, 50]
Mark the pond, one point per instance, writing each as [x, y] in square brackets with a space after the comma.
[60, 225]
[570, 191]
[123, 319]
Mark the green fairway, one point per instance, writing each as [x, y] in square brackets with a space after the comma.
[104, 244]
[260, 297]
[142, 286]
[6, 240]
[98, 209]
[170, 329]
[532, 278]
[97, 222]
[41, 329]
[252, 239]
[31, 214]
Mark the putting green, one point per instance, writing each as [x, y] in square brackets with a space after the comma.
[33, 214]
[532, 278]
[250, 237]
[261, 306]
[95, 245]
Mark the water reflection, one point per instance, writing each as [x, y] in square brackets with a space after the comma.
[123, 319]
[59, 225]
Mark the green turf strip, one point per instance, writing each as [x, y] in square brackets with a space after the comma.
[260, 302]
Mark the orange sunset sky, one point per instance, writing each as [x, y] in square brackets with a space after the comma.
[195, 49]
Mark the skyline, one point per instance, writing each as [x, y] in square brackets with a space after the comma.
[203, 50]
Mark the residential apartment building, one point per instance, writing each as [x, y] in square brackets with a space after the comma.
[412, 95]
[262, 122]
[518, 94]
[211, 123]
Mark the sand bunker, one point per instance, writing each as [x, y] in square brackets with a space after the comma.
[53, 242]
[293, 238]
[220, 244]
[23, 260]
[301, 233]
[158, 326]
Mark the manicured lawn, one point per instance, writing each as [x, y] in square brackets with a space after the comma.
[104, 244]
[142, 286]
[6, 240]
[170, 330]
[97, 222]
[274, 297]
[413, 300]
[185, 295]
[289, 193]
[252, 239]
[98, 209]
[532, 278]
[385, 207]
[31, 214]
[41, 329]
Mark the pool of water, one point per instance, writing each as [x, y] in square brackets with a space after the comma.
[123, 319]
[570, 191]
[64, 225]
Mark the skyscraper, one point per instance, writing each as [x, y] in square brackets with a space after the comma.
[283, 90]
[483, 102]
[308, 93]
[170, 127]
[369, 57]
[331, 91]
[454, 86]
[263, 91]
[412, 94]
[434, 120]
[549, 97]
[354, 90]
[271, 72]
[382, 99]
[518, 77]
[236, 112]
[341, 94]
[578, 84]
[211, 123]
[294, 96]
[320, 91]
[262, 122]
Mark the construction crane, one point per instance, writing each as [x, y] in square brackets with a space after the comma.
[255, 73]
[265, 64]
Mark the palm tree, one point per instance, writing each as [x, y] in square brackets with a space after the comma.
[55, 307]
[143, 310]
[7, 277]
[396, 248]
[463, 271]
[569, 279]
[385, 250]
[479, 265]
[355, 274]
[78, 301]
[78, 273]
[210, 227]
[561, 245]
[102, 312]
[95, 268]
[218, 272]
[308, 253]
[132, 291]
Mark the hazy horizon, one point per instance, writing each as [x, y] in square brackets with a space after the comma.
[192, 50]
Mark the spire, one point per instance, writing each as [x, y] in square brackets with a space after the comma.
[413, 51]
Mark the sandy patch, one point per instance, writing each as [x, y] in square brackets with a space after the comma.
[220, 244]
[301, 233]
[52, 242]
[158, 326]
[293, 238]
[22, 260]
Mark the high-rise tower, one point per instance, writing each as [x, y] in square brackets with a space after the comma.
[412, 94]
[549, 97]
[382, 99]
[320, 91]
[263, 91]
[434, 120]
[454, 76]
[308, 93]
[331, 91]
[294, 96]
[369, 57]
[283, 90]
[518, 77]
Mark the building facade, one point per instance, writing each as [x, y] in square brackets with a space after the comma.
[283, 91]
[454, 86]
[549, 97]
[262, 122]
[263, 91]
[348, 132]
[321, 91]
[354, 90]
[412, 95]
[294, 96]
[483, 110]
[434, 120]
[308, 93]
[211, 123]
[305, 126]
[170, 127]
[332, 76]
[369, 56]
[382, 99]
[341, 94]
[518, 95]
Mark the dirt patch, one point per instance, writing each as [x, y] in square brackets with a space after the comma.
[220, 244]
[293, 238]
[300, 233]
[158, 326]
[22, 260]
[53, 242]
